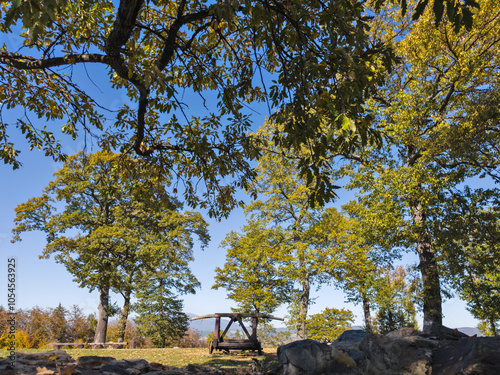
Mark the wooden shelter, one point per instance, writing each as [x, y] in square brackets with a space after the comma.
[220, 342]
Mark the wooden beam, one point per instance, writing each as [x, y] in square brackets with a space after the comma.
[244, 329]
[227, 329]
[236, 315]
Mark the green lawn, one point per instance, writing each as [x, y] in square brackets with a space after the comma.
[175, 357]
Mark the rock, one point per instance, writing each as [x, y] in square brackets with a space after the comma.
[46, 371]
[134, 366]
[394, 356]
[401, 352]
[404, 332]
[53, 356]
[352, 335]
[471, 356]
[444, 333]
[156, 366]
[91, 361]
[113, 370]
[311, 357]
[67, 369]
[58, 362]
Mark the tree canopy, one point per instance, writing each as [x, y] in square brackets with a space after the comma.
[311, 62]
[289, 56]
[329, 324]
[439, 115]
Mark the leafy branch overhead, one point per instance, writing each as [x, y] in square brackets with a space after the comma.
[311, 61]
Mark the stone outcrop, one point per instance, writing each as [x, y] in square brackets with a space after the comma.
[58, 362]
[401, 352]
[405, 351]
[471, 356]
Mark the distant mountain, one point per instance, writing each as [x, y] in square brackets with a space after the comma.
[471, 331]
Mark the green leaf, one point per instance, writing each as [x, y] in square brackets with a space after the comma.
[438, 8]
[419, 9]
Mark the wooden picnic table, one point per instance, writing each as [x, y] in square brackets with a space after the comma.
[220, 342]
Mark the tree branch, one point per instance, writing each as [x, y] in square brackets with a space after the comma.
[31, 63]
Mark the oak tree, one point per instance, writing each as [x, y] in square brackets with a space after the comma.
[288, 244]
[109, 219]
[288, 56]
[439, 115]
[468, 237]
[254, 273]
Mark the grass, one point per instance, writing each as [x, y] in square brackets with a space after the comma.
[180, 357]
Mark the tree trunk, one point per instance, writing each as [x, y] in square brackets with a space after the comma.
[493, 327]
[102, 319]
[303, 307]
[433, 316]
[367, 314]
[124, 316]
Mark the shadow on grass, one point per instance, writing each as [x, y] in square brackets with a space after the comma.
[243, 359]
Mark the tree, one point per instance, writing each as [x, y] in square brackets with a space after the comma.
[79, 326]
[58, 324]
[329, 324]
[439, 114]
[468, 238]
[396, 301]
[360, 282]
[255, 270]
[5, 339]
[358, 271]
[486, 329]
[159, 313]
[294, 242]
[167, 232]
[32, 328]
[192, 339]
[271, 337]
[128, 226]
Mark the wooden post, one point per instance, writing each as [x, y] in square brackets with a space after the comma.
[217, 331]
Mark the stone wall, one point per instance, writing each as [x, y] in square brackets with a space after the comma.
[405, 351]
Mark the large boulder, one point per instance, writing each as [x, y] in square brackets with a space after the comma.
[355, 353]
[468, 356]
[312, 357]
[394, 356]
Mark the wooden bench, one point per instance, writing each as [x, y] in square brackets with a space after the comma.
[92, 345]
